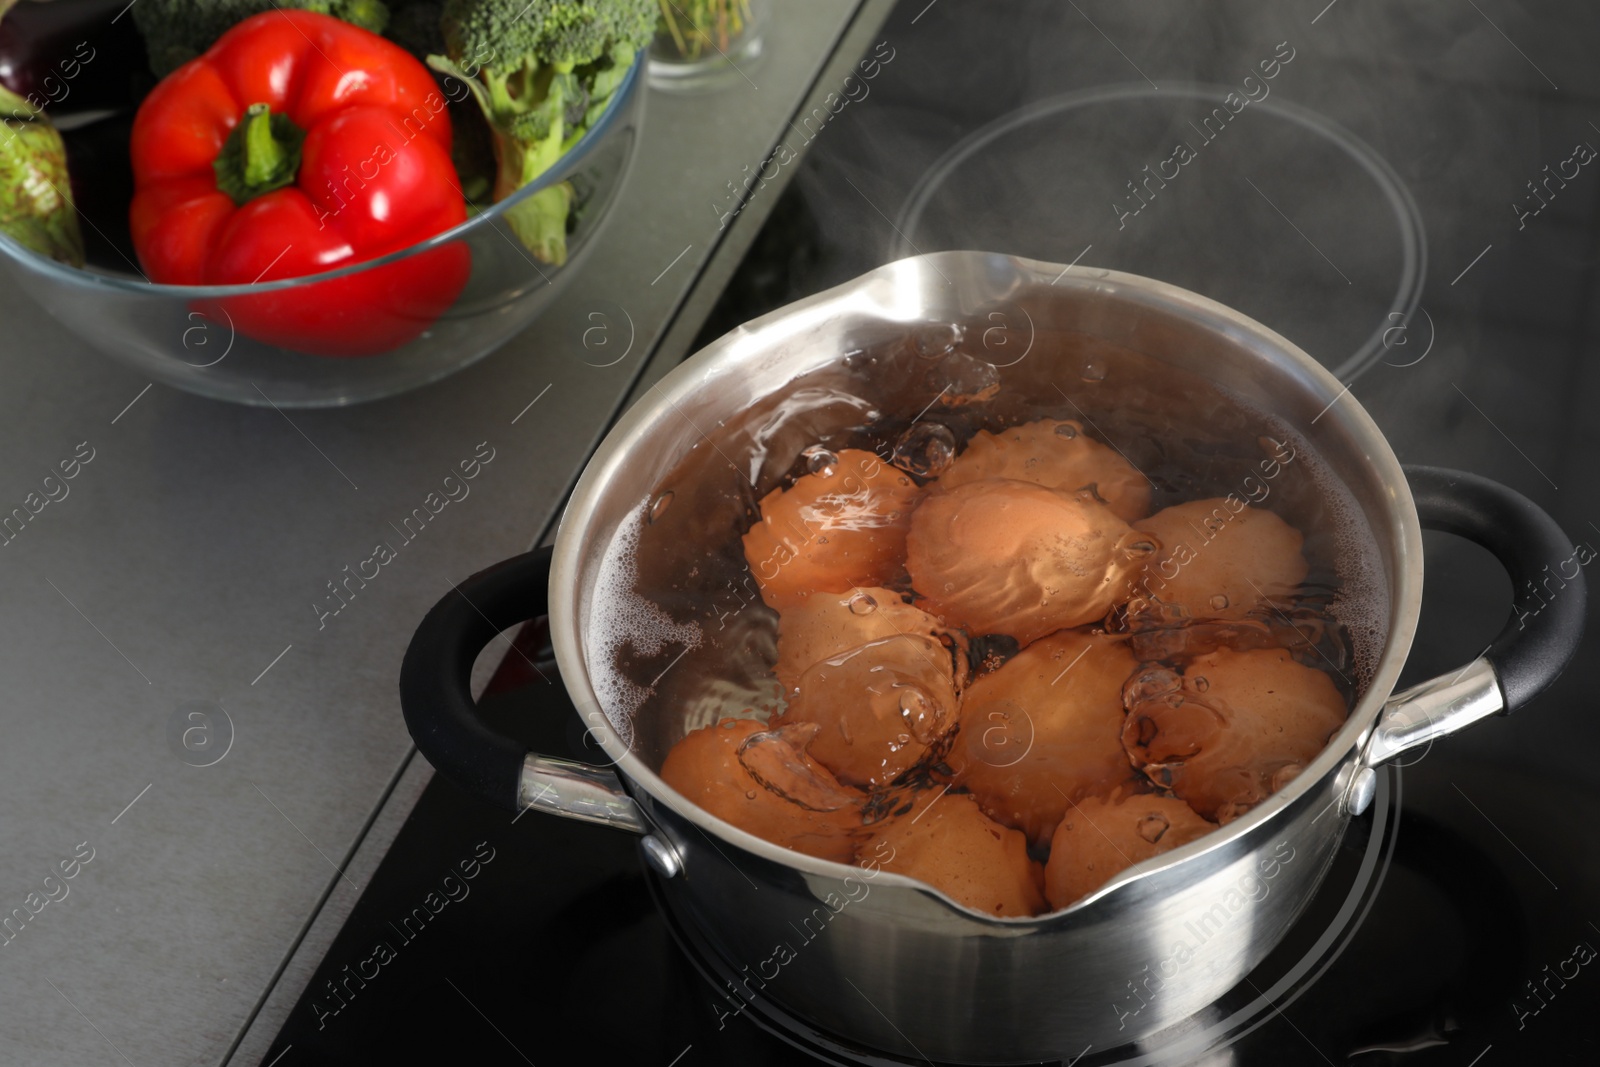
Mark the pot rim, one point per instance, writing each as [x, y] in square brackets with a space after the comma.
[574, 538]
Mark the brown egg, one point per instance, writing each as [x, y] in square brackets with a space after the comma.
[841, 527]
[1056, 454]
[879, 708]
[947, 841]
[1045, 730]
[1218, 561]
[1232, 729]
[761, 781]
[827, 624]
[1007, 557]
[1099, 839]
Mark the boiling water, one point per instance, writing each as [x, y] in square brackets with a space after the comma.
[677, 635]
[632, 623]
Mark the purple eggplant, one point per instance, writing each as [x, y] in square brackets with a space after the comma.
[69, 56]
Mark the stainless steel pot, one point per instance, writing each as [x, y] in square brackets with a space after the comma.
[875, 958]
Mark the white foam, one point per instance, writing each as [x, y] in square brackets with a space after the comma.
[617, 618]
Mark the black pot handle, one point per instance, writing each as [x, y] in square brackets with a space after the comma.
[1548, 593]
[1534, 646]
[436, 699]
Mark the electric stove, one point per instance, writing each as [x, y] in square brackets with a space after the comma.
[1412, 195]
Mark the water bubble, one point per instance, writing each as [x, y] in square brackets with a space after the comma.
[921, 712]
[1093, 370]
[1140, 549]
[1219, 602]
[1201, 685]
[926, 450]
[1285, 774]
[1069, 430]
[819, 460]
[936, 340]
[862, 604]
[659, 507]
[1151, 684]
[750, 794]
[1153, 826]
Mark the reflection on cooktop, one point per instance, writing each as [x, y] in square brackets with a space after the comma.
[1236, 180]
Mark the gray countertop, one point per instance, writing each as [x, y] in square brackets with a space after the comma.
[176, 586]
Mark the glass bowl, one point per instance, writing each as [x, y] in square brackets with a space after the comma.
[196, 338]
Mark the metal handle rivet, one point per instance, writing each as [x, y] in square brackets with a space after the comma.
[661, 856]
[1362, 790]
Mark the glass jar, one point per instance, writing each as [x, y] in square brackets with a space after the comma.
[706, 44]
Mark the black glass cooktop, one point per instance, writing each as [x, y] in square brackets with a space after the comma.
[489, 939]
[1408, 192]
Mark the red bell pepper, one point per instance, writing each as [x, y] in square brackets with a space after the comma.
[300, 144]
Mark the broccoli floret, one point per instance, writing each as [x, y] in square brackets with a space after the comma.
[175, 31]
[570, 32]
[541, 72]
